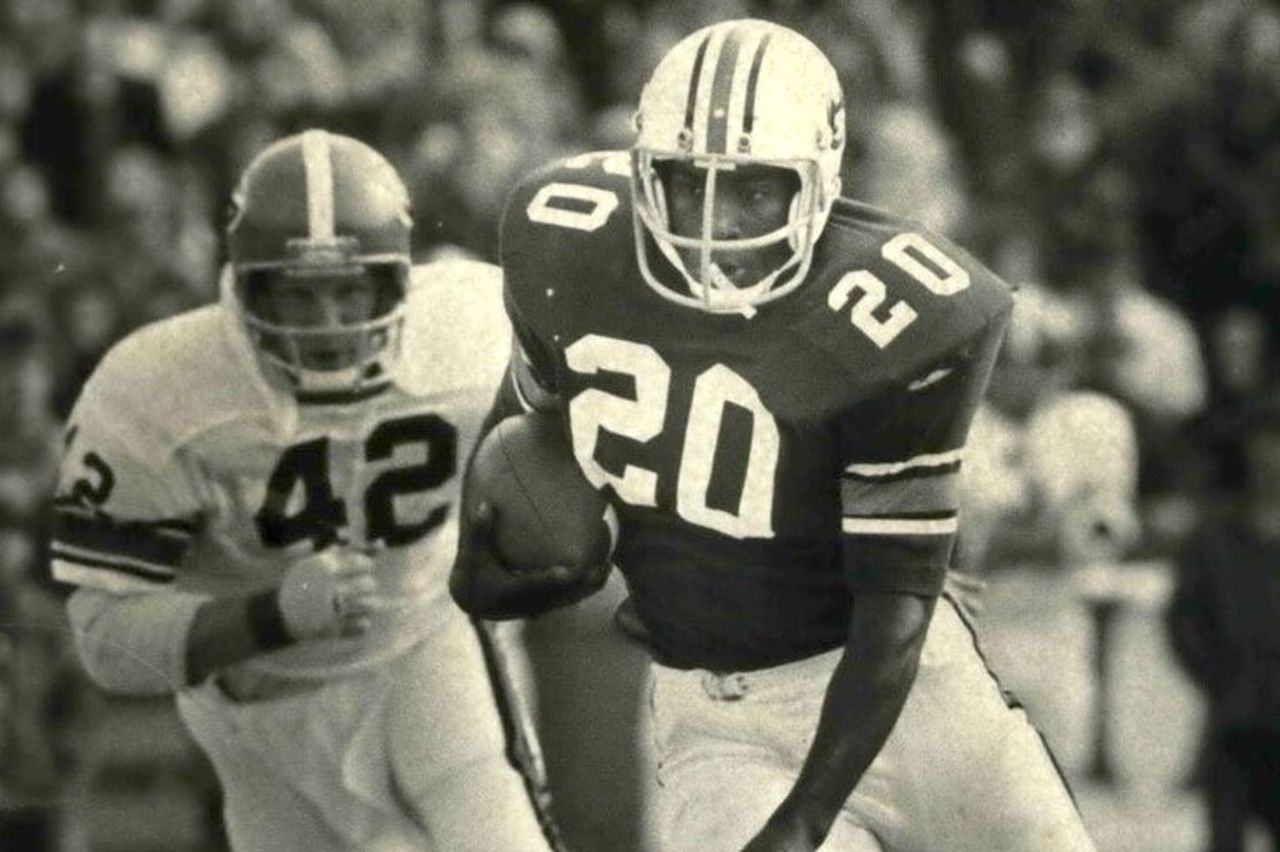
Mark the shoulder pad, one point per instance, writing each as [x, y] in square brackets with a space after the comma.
[580, 178]
[456, 332]
[887, 298]
[574, 199]
[567, 226]
[173, 379]
[153, 396]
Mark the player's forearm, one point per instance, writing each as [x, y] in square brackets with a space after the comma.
[480, 582]
[227, 631]
[863, 701]
[859, 713]
[161, 642]
[491, 592]
[480, 587]
[133, 644]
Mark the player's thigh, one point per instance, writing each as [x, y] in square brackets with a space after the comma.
[716, 801]
[719, 802]
[449, 746]
[443, 713]
[261, 813]
[966, 769]
[480, 808]
[261, 809]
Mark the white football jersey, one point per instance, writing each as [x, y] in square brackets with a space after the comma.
[187, 467]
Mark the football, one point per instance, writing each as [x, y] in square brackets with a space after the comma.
[546, 512]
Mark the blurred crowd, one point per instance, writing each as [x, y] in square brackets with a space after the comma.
[1124, 160]
[1121, 161]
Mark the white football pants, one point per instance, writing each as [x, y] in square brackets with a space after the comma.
[962, 771]
[351, 764]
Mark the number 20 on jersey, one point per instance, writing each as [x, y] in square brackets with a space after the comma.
[641, 418]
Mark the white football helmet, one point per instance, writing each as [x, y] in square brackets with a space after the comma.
[737, 92]
[319, 204]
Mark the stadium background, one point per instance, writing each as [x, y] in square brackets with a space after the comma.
[1125, 157]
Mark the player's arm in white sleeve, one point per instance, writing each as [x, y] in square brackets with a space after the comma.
[900, 515]
[152, 643]
[125, 514]
[120, 533]
[480, 582]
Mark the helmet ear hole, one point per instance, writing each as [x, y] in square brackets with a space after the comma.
[656, 191]
[794, 235]
[254, 286]
[660, 201]
[801, 204]
[392, 285]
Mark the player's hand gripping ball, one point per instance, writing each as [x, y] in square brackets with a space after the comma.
[545, 511]
[329, 594]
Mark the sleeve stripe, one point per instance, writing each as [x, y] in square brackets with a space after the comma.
[76, 507]
[158, 543]
[148, 570]
[174, 526]
[900, 526]
[905, 474]
[97, 578]
[100, 562]
[933, 493]
[879, 470]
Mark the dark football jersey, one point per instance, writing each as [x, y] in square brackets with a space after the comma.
[767, 465]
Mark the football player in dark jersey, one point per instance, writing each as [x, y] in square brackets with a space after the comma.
[773, 385]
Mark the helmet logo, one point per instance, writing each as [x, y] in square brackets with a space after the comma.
[835, 120]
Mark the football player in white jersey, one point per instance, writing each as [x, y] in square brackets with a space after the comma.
[256, 507]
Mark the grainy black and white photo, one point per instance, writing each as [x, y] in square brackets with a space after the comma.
[639, 426]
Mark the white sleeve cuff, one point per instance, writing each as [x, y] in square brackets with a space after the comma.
[134, 644]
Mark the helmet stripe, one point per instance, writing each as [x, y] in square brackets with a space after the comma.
[722, 89]
[694, 79]
[319, 171]
[753, 79]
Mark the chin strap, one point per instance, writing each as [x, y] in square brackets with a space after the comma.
[719, 281]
